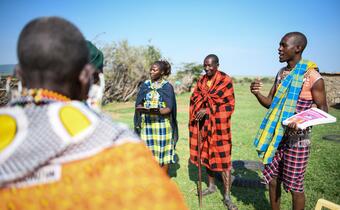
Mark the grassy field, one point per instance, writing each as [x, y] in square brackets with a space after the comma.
[323, 173]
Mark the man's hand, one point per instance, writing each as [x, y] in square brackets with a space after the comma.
[200, 114]
[256, 86]
[293, 125]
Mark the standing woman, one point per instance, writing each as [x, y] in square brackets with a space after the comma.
[155, 116]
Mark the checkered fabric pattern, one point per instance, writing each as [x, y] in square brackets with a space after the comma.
[219, 101]
[289, 164]
[283, 106]
[42, 143]
[39, 146]
[156, 129]
[303, 104]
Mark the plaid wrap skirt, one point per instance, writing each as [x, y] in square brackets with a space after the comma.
[157, 134]
[290, 161]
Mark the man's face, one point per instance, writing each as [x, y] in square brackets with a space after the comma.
[210, 67]
[287, 49]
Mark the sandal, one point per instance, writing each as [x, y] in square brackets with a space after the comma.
[208, 191]
[230, 205]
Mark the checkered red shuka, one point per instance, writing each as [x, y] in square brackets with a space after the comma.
[219, 101]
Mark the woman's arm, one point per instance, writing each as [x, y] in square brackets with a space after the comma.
[164, 111]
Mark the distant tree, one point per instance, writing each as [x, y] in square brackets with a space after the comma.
[267, 79]
[190, 68]
[151, 54]
[247, 80]
[125, 68]
[186, 76]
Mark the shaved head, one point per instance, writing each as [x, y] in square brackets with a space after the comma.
[299, 39]
[52, 49]
[213, 57]
[53, 55]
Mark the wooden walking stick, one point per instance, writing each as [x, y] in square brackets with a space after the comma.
[199, 140]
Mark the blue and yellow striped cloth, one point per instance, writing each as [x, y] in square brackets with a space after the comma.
[282, 107]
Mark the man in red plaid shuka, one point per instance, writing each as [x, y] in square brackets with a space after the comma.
[212, 103]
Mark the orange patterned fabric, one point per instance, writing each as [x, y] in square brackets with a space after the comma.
[121, 177]
[219, 102]
[310, 78]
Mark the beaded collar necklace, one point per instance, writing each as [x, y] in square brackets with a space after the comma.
[38, 97]
[157, 84]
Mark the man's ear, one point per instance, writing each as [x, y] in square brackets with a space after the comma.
[18, 73]
[298, 49]
[85, 80]
[86, 74]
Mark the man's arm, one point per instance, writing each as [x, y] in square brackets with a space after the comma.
[319, 95]
[319, 98]
[265, 101]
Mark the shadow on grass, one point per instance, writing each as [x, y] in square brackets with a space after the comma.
[336, 106]
[174, 167]
[193, 176]
[246, 185]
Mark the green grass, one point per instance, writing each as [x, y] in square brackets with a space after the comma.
[323, 172]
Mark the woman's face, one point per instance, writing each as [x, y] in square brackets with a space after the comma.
[155, 72]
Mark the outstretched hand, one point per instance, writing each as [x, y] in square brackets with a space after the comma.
[200, 114]
[256, 86]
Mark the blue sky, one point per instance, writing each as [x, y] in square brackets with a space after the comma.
[244, 34]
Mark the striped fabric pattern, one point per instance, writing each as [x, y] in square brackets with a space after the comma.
[283, 106]
[156, 129]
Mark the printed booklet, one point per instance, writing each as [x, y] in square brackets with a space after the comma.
[148, 110]
[313, 116]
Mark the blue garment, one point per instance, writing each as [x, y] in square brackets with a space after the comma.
[282, 107]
